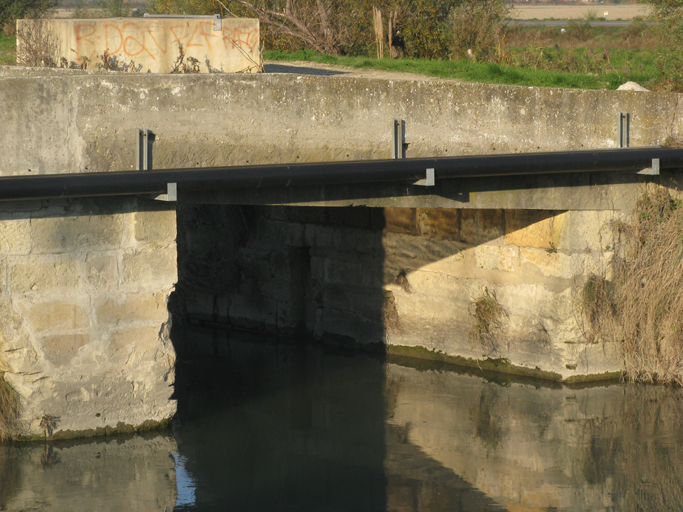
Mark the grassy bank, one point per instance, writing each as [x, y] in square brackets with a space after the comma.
[8, 47]
[494, 73]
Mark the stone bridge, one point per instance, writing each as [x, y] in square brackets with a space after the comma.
[85, 282]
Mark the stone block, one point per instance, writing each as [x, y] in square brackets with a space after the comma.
[541, 229]
[159, 226]
[62, 348]
[588, 230]
[489, 225]
[143, 340]
[15, 236]
[149, 268]
[339, 272]
[35, 276]
[468, 226]
[349, 216]
[100, 271]
[134, 307]
[497, 257]
[55, 316]
[548, 263]
[401, 220]
[74, 234]
[439, 222]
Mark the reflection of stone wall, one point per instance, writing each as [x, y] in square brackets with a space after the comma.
[405, 278]
[133, 474]
[83, 293]
[148, 44]
[544, 448]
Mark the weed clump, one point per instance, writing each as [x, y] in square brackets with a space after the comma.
[9, 409]
[486, 312]
[641, 309]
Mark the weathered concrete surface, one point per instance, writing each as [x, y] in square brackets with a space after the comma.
[135, 474]
[237, 119]
[84, 287]
[407, 279]
[229, 45]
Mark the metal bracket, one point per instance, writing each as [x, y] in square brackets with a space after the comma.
[623, 126]
[399, 145]
[217, 20]
[651, 171]
[428, 181]
[171, 194]
[143, 155]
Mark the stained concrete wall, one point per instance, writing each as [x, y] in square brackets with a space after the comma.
[227, 45]
[84, 287]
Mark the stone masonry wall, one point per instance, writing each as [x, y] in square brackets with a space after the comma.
[406, 279]
[84, 286]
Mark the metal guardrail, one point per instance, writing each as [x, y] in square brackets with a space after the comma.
[409, 170]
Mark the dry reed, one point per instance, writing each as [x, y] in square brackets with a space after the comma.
[641, 309]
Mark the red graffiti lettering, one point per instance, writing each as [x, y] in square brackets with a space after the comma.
[138, 44]
[112, 48]
[240, 36]
[85, 47]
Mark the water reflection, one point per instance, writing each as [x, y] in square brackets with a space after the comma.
[131, 473]
[298, 429]
[266, 426]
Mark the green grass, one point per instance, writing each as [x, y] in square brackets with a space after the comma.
[8, 46]
[624, 65]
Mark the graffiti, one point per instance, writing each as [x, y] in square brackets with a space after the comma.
[150, 40]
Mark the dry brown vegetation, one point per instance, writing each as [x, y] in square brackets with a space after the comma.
[486, 313]
[38, 46]
[9, 409]
[641, 307]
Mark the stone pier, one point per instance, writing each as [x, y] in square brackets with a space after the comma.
[84, 288]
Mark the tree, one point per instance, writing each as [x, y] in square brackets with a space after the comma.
[12, 10]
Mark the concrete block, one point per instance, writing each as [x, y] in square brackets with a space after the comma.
[159, 226]
[72, 234]
[60, 349]
[37, 276]
[147, 269]
[152, 44]
[55, 316]
[134, 307]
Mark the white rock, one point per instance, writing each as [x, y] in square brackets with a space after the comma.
[632, 86]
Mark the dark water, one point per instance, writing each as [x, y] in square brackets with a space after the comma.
[265, 426]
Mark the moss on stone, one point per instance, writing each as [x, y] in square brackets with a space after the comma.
[120, 429]
[500, 365]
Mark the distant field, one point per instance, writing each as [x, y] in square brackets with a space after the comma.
[572, 12]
